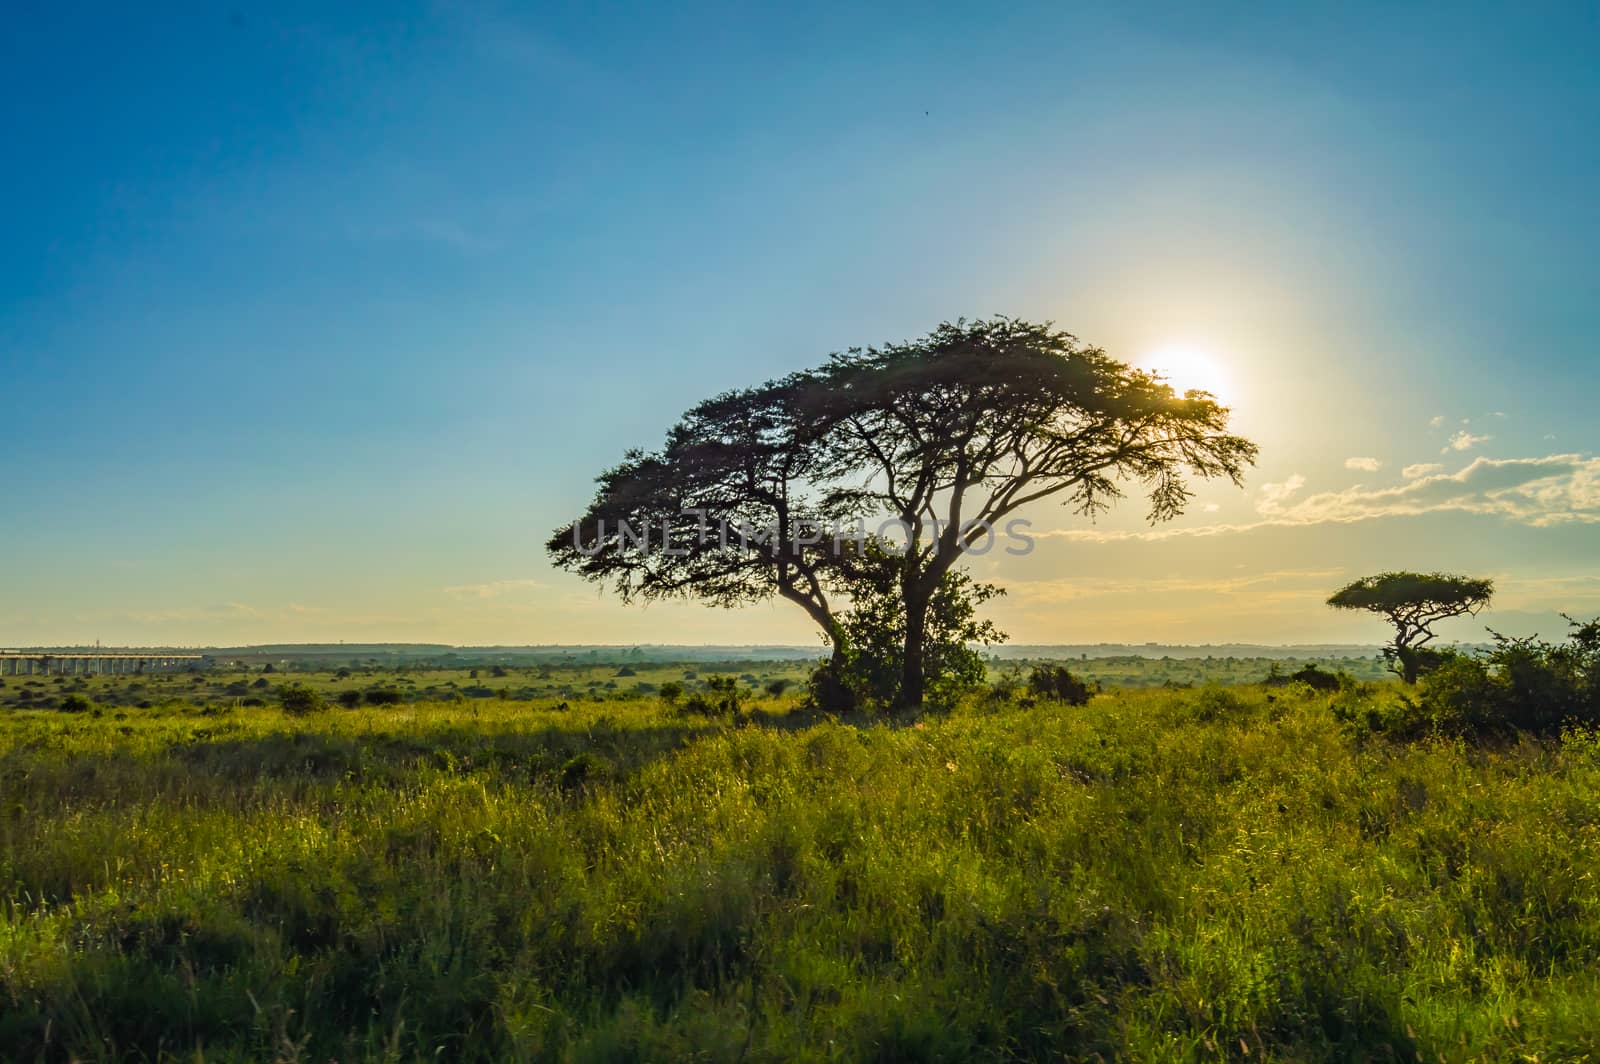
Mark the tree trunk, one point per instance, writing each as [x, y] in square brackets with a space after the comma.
[1409, 667]
[912, 678]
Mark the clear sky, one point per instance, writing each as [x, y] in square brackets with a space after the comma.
[315, 319]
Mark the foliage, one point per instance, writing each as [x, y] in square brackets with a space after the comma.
[868, 674]
[1522, 685]
[75, 703]
[383, 696]
[670, 691]
[1316, 679]
[1412, 603]
[349, 699]
[297, 699]
[1056, 683]
[722, 697]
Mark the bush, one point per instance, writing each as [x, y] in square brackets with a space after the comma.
[384, 696]
[1316, 679]
[349, 699]
[671, 691]
[1522, 686]
[1006, 687]
[297, 700]
[834, 688]
[1056, 683]
[777, 687]
[75, 704]
[722, 698]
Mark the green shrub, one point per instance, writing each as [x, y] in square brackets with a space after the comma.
[1316, 679]
[75, 704]
[349, 699]
[1522, 686]
[1057, 684]
[384, 696]
[298, 700]
[722, 698]
[833, 687]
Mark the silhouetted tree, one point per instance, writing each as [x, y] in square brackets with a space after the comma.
[947, 436]
[1413, 603]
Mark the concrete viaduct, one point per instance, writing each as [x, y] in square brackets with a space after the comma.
[96, 663]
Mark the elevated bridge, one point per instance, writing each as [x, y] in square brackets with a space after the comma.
[91, 662]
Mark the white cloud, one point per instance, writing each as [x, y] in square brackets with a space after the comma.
[1464, 441]
[1544, 492]
[1420, 469]
[492, 589]
[1436, 422]
[1274, 496]
[1365, 465]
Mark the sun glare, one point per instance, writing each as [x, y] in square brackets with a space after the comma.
[1188, 368]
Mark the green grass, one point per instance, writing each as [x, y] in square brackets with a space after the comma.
[1217, 873]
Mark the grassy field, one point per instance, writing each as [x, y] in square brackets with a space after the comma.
[612, 680]
[1204, 874]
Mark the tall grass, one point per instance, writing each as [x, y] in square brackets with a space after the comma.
[1191, 875]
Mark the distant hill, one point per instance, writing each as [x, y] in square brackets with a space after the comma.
[394, 653]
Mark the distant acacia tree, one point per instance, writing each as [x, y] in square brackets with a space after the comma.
[1413, 603]
[948, 436]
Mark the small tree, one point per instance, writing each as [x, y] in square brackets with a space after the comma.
[872, 667]
[1413, 602]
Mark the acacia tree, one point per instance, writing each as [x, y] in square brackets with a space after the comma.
[955, 432]
[948, 436]
[1413, 603]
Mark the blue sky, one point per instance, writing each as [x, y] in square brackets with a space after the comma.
[314, 319]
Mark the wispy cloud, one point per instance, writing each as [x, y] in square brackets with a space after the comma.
[492, 589]
[1274, 497]
[1420, 469]
[1464, 441]
[1559, 489]
[1365, 465]
[1436, 422]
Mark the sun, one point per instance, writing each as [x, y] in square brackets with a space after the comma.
[1188, 369]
